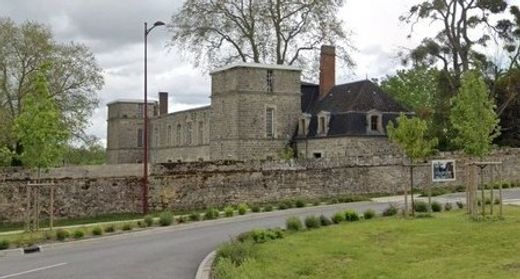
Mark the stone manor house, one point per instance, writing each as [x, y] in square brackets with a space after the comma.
[257, 111]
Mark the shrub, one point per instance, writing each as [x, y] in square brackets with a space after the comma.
[182, 219]
[4, 244]
[110, 228]
[285, 205]
[488, 201]
[127, 227]
[229, 211]
[245, 236]
[447, 206]
[294, 224]
[506, 185]
[141, 224]
[235, 251]
[369, 214]
[497, 201]
[268, 208]
[460, 204]
[165, 218]
[312, 222]
[62, 234]
[325, 221]
[211, 213]
[351, 216]
[299, 203]
[421, 206]
[77, 234]
[338, 217]
[242, 209]
[390, 211]
[261, 236]
[436, 206]
[316, 203]
[148, 220]
[97, 230]
[194, 216]
[255, 208]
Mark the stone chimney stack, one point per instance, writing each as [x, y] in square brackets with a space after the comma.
[163, 103]
[327, 70]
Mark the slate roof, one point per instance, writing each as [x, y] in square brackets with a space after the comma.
[360, 96]
[348, 105]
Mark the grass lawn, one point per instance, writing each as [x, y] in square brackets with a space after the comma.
[446, 246]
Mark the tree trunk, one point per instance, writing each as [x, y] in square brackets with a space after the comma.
[411, 191]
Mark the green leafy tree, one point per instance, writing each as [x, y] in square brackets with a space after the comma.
[73, 77]
[473, 116]
[416, 88]
[5, 156]
[40, 128]
[411, 134]
[286, 32]
[465, 26]
[90, 153]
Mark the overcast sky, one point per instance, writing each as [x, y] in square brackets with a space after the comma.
[113, 30]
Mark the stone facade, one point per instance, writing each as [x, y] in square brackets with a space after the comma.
[125, 133]
[346, 147]
[255, 111]
[181, 136]
[114, 189]
[253, 114]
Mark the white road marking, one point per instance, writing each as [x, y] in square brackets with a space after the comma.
[31, 271]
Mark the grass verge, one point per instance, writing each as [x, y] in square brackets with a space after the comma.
[448, 245]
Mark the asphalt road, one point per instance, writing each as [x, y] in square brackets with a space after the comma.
[171, 252]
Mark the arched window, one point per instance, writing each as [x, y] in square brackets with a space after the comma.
[188, 133]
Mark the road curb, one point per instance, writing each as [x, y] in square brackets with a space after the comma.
[204, 270]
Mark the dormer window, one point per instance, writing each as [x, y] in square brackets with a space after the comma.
[323, 123]
[303, 125]
[375, 123]
[269, 80]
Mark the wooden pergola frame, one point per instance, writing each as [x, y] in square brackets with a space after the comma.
[32, 214]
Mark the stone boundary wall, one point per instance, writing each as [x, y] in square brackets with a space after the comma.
[88, 191]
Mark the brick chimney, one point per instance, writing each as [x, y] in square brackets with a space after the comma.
[327, 70]
[163, 103]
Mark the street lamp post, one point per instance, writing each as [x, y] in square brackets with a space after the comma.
[145, 132]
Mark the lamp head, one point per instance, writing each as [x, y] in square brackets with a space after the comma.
[159, 23]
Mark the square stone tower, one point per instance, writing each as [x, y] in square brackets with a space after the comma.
[254, 111]
[125, 130]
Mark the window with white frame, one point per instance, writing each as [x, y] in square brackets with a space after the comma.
[140, 110]
[269, 122]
